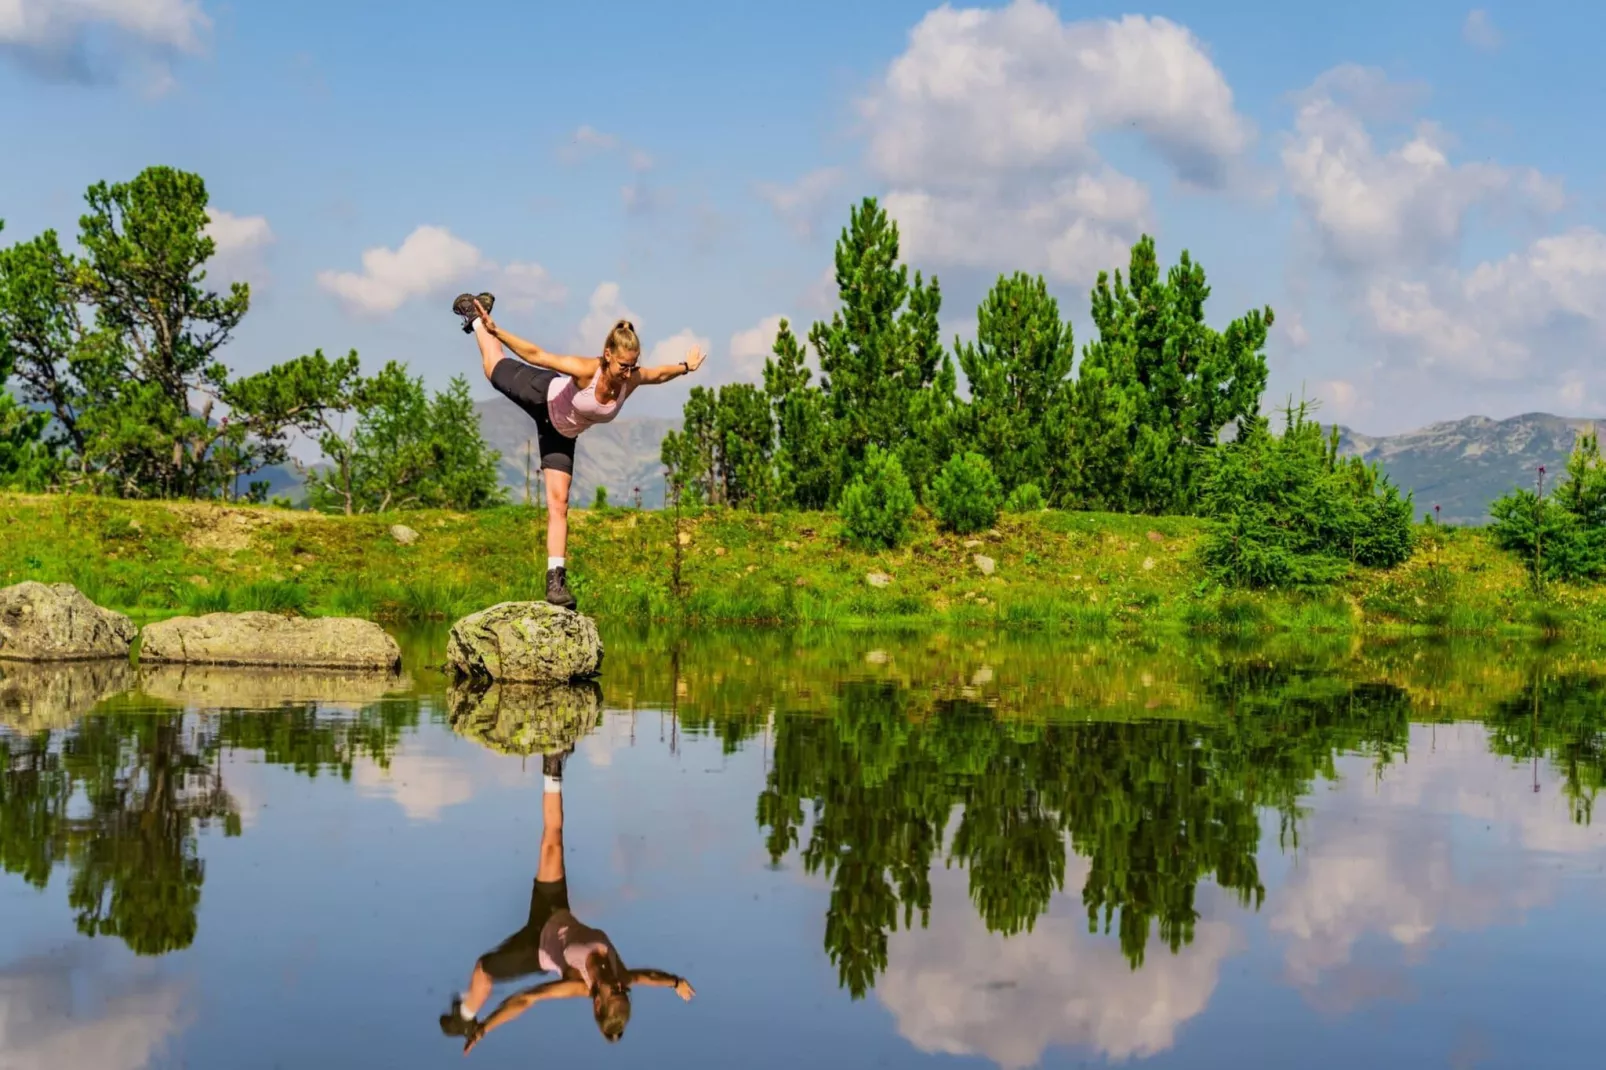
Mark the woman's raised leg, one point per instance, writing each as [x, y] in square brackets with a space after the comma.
[490, 348]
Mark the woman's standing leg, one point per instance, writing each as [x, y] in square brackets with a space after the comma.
[557, 537]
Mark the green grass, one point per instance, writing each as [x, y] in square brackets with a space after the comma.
[1088, 574]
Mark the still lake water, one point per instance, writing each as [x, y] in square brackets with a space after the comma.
[869, 851]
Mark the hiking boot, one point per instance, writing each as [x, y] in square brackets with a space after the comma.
[463, 305]
[552, 765]
[557, 588]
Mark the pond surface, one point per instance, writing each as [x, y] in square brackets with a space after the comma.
[866, 850]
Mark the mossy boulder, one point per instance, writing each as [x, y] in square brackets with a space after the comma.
[525, 719]
[526, 643]
[55, 622]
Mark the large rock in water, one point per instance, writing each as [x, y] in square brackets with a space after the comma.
[269, 639]
[55, 622]
[223, 687]
[525, 642]
[526, 718]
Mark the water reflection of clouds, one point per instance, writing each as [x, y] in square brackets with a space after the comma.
[955, 988]
[1445, 841]
[78, 1011]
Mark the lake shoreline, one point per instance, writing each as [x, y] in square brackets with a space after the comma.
[1072, 572]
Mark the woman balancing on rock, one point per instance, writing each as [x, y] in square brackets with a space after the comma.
[564, 396]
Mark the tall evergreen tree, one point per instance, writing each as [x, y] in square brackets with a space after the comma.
[1158, 385]
[881, 353]
[1019, 372]
[745, 437]
[803, 474]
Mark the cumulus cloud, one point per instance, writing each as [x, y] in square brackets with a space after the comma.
[60, 38]
[799, 204]
[955, 988]
[239, 243]
[588, 141]
[422, 785]
[673, 350]
[1479, 31]
[1390, 222]
[749, 349]
[430, 261]
[76, 1009]
[985, 129]
[1363, 872]
[605, 309]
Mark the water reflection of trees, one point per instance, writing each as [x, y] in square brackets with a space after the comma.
[874, 796]
[119, 801]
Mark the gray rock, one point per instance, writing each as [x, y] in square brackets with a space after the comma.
[403, 534]
[35, 697]
[525, 642]
[877, 579]
[270, 639]
[55, 622]
[986, 564]
[525, 718]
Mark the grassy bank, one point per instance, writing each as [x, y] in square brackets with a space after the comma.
[1083, 572]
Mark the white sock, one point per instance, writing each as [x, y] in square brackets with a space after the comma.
[551, 785]
[478, 326]
[554, 562]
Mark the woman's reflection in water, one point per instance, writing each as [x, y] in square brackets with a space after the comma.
[555, 941]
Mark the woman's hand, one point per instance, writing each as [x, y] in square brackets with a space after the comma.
[490, 324]
[694, 358]
[476, 1030]
[684, 990]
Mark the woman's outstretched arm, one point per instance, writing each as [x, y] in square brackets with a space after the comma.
[661, 979]
[531, 353]
[662, 373]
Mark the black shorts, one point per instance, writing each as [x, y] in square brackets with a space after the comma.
[526, 386]
[520, 954]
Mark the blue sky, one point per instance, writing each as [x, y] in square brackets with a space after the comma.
[1414, 188]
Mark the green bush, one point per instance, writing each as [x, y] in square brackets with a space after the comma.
[1288, 512]
[877, 505]
[1563, 536]
[966, 495]
[1026, 498]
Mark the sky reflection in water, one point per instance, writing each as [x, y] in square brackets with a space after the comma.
[877, 852]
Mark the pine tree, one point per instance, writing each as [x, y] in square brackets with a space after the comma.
[881, 353]
[1158, 386]
[745, 439]
[803, 472]
[1019, 371]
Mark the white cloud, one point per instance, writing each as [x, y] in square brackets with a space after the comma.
[955, 988]
[1291, 325]
[985, 131]
[432, 260]
[1404, 205]
[673, 349]
[54, 36]
[1479, 31]
[422, 785]
[1390, 223]
[749, 349]
[80, 1009]
[606, 308]
[800, 204]
[524, 285]
[588, 141]
[239, 242]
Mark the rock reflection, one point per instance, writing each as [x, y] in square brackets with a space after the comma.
[36, 696]
[526, 719]
[203, 687]
[584, 961]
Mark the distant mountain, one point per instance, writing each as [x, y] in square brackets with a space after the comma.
[1464, 465]
[621, 455]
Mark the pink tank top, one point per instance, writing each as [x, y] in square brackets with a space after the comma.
[572, 410]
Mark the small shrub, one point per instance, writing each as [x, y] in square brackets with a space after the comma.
[1026, 498]
[1563, 536]
[272, 596]
[877, 505]
[601, 500]
[966, 495]
[1288, 512]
